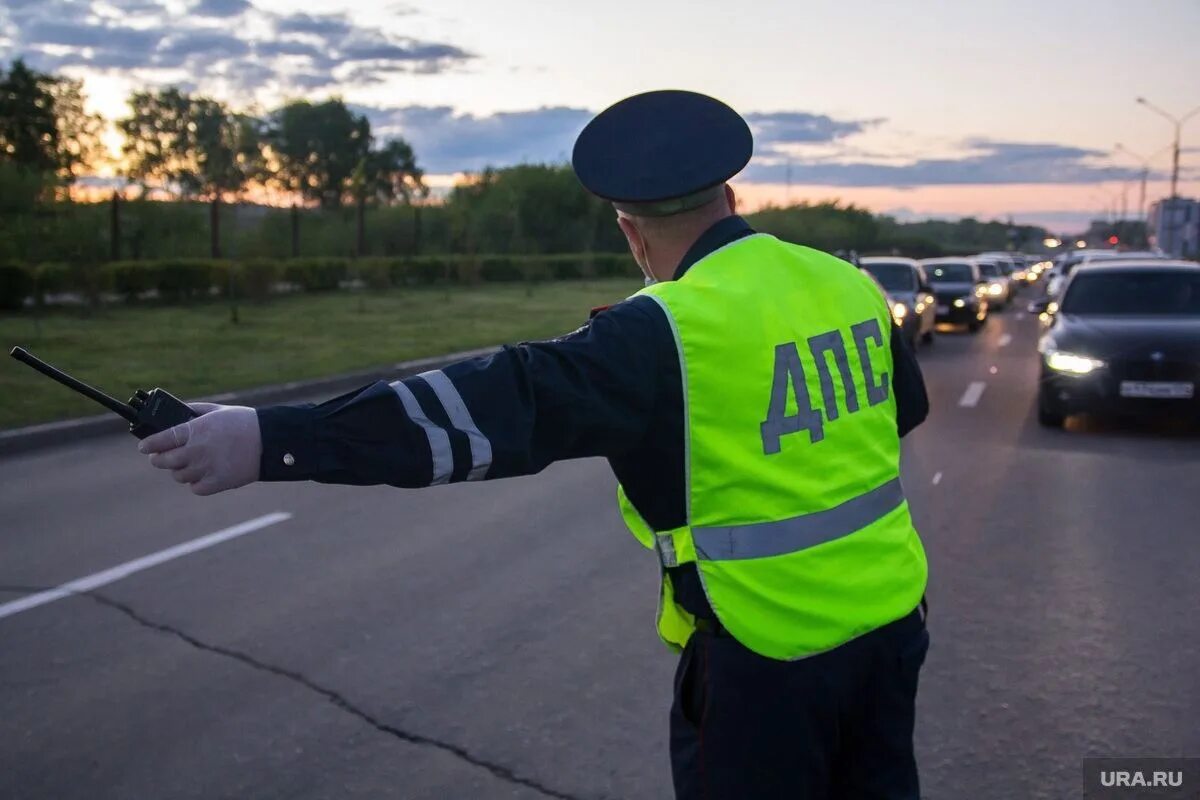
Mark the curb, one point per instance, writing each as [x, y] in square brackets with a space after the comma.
[50, 434]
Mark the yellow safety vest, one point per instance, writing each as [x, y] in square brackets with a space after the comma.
[795, 513]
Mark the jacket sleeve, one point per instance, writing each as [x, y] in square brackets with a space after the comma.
[590, 393]
[912, 403]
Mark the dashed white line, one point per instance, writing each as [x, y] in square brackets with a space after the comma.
[1020, 315]
[937, 478]
[1005, 340]
[114, 574]
[971, 396]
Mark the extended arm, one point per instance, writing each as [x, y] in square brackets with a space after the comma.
[590, 393]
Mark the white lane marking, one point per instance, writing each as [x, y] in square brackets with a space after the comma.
[937, 479]
[971, 396]
[1020, 315]
[1005, 340]
[114, 574]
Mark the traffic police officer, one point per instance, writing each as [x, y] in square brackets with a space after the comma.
[750, 401]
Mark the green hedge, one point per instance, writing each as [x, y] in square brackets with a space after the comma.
[176, 280]
[16, 283]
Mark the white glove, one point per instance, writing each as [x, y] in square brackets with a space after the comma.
[218, 450]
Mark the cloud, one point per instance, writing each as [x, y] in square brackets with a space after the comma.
[448, 141]
[292, 51]
[222, 9]
[324, 26]
[288, 47]
[991, 162]
[214, 45]
[382, 50]
[89, 35]
[775, 129]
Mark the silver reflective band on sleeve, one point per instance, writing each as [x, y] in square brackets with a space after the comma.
[764, 539]
[439, 440]
[460, 417]
[666, 550]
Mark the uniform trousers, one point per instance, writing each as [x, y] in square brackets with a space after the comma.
[834, 726]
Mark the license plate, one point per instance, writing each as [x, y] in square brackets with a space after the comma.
[1158, 389]
[943, 309]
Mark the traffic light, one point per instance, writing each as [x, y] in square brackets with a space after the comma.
[1113, 239]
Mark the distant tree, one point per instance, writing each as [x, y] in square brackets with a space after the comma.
[79, 146]
[226, 147]
[967, 235]
[156, 147]
[192, 144]
[390, 173]
[28, 128]
[387, 174]
[44, 128]
[531, 208]
[824, 226]
[315, 149]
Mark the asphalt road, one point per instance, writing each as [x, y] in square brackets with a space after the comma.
[496, 640]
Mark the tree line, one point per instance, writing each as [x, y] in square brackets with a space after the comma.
[198, 147]
[358, 193]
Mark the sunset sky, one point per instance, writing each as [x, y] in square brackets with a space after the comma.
[916, 109]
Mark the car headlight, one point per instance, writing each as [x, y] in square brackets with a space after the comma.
[995, 289]
[899, 311]
[1071, 363]
[960, 303]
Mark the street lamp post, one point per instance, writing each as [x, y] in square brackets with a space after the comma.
[1178, 123]
[1145, 173]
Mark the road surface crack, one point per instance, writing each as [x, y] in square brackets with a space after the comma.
[498, 771]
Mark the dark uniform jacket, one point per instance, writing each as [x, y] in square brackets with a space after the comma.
[611, 389]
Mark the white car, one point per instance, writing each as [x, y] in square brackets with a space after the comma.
[999, 286]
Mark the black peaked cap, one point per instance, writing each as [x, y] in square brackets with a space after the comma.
[660, 146]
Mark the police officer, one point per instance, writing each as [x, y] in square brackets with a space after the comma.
[750, 401]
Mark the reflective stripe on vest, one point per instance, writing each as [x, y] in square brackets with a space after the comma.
[765, 539]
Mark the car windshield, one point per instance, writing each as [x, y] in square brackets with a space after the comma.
[893, 277]
[1143, 293]
[950, 273]
[989, 270]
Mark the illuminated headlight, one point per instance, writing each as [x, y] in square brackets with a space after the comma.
[1021, 276]
[995, 290]
[899, 311]
[960, 303]
[1072, 363]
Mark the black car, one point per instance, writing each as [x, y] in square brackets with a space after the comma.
[1124, 338]
[958, 288]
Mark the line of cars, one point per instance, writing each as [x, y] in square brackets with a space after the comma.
[959, 290]
[1120, 336]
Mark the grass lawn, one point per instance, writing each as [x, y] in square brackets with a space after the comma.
[195, 350]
